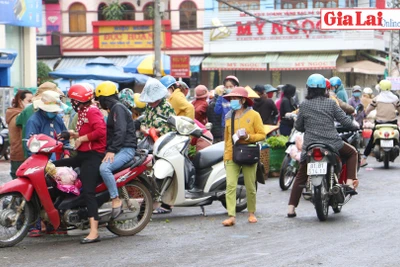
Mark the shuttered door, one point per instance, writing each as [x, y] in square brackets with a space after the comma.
[77, 18]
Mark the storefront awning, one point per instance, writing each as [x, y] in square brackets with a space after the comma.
[195, 62]
[315, 61]
[238, 62]
[50, 62]
[363, 66]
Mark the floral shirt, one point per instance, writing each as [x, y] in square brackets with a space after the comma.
[152, 120]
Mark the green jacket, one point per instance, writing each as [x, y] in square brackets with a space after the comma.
[21, 121]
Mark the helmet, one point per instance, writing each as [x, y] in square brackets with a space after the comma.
[233, 78]
[328, 83]
[183, 85]
[167, 81]
[385, 85]
[335, 81]
[316, 81]
[127, 98]
[367, 91]
[81, 92]
[356, 88]
[138, 103]
[106, 89]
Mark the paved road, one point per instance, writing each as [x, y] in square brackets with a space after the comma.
[365, 233]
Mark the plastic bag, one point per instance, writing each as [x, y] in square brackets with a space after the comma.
[67, 180]
[146, 143]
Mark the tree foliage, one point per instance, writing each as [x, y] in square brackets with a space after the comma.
[43, 72]
[114, 11]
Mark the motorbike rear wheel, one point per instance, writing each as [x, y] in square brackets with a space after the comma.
[386, 160]
[12, 231]
[287, 175]
[137, 192]
[321, 200]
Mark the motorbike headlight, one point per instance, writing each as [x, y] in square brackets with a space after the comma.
[185, 127]
[35, 145]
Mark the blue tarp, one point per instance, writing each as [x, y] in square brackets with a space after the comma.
[99, 69]
[64, 84]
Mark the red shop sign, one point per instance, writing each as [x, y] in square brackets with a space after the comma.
[180, 66]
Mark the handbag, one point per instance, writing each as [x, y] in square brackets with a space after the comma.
[260, 174]
[244, 154]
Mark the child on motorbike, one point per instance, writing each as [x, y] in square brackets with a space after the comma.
[316, 119]
[386, 104]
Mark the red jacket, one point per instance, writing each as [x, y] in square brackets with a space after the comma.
[95, 128]
[200, 110]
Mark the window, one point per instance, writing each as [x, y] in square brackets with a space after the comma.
[351, 3]
[188, 16]
[77, 18]
[325, 3]
[129, 11]
[372, 3]
[100, 15]
[243, 4]
[292, 4]
[148, 11]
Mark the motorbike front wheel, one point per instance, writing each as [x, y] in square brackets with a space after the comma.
[140, 195]
[321, 200]
[287, 175]
[16, 216]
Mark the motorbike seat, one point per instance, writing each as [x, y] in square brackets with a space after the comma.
[209, 156]
[127, 165]
[387, 125]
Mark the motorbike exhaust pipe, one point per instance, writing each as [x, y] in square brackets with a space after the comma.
[338, 194]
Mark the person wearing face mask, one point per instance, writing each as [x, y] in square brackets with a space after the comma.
[251, 131]
[154, 94]
[338, 88]
[184, 89]
[90, 145]
[201, 104]
[264, 105]
[46, 120]
[354, 101]
[121, 139]
[177, 98]
[21, 100]
[30, 109]
[222, 106]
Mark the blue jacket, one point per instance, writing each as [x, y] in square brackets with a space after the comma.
[222, 107]
[342, 94]
[39, 123]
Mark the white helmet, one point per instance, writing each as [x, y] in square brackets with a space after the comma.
[367, 91]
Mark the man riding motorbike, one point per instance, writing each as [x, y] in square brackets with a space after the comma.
[316, 118]
[386, 105]
[337, 86]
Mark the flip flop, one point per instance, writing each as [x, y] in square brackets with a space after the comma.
[229, 222]
[161, 210]
[252, 219]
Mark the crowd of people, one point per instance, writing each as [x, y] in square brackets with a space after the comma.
[103, 127]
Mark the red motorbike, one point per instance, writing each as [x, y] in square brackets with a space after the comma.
[34, 194]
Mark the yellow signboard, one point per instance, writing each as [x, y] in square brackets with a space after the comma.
[127, 37]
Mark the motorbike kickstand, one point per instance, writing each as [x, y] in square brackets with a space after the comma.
[203, 211]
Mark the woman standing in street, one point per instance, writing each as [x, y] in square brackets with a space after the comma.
[287, 106]
[20, 101]
[249, 120]
[90, 144]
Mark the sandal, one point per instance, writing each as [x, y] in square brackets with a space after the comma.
[229, 222]
[252, 219]
[35, 233]
[161, 210]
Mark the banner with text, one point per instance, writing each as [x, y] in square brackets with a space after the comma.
[180, 66]
[21, 13]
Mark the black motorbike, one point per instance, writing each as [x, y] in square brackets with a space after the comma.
[4, 140]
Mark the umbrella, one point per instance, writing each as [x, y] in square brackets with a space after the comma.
[99, 69]
[145, 65]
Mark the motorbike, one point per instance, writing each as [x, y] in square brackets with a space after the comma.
[4, 140]
[182, 182]
[35, 195]
[386, 143]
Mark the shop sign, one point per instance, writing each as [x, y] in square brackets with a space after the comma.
[395, 82]
[21, 13]
[7, 58]
[123, 37]
[180, 66]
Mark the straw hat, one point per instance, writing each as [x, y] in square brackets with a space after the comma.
[239, 92]
[47, 86]
[251, 92]
[49, 102]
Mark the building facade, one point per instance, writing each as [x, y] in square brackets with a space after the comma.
[280, 42]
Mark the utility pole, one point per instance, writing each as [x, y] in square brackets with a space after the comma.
[157, 39]
[394, 46]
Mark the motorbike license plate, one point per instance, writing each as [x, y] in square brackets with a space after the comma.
[386, 143]
[317, 168]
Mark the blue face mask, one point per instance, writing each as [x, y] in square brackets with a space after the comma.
[228, 91]
[235, 104]
[357, 94]
[51, 115]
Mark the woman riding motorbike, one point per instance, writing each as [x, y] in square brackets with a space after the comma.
[316, 119]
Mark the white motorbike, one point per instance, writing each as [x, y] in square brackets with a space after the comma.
[182, 182]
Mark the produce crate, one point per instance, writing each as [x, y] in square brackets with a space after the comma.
[276, 158]
[264, 158]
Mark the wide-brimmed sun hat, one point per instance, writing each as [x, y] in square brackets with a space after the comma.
[46, 86]
[239, 92]
[49, 102]
[201, 91]
[269, 88]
